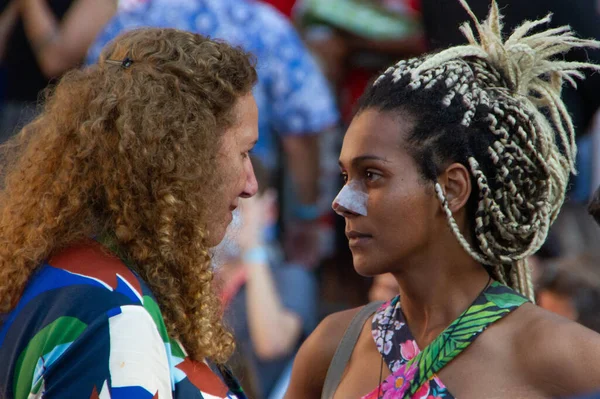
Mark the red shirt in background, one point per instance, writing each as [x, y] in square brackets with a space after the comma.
[285, 6]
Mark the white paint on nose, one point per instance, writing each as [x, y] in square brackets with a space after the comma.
[351, 198]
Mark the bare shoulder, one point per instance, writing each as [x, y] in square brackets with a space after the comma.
[315, 355]
[555, 353]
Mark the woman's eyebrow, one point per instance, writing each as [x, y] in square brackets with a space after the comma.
[358, 160]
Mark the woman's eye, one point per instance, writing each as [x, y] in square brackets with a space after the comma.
[345, 177]
[372, 176]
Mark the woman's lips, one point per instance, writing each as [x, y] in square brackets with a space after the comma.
[357, 238]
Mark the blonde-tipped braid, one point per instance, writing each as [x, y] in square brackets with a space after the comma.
[520, 137]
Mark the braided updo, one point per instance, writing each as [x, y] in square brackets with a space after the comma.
[495, 107]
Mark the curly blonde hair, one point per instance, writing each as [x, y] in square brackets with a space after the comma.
[130, 152]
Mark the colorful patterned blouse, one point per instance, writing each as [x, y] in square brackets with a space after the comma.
[414, 371]
[88, 327]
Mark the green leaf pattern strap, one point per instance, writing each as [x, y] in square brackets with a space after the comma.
[414, 372]
[462, 332]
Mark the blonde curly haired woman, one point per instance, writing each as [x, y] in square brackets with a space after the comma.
[111, 199]
[456, 164]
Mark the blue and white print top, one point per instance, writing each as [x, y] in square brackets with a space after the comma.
[292, 94]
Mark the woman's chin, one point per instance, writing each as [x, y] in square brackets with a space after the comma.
[363, 266]
[370, 265]
[228, 227]
[216, 236]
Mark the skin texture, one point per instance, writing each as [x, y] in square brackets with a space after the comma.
[530, 353]
[61, 45]
[392, 182]
[8, 17]
[233, 157]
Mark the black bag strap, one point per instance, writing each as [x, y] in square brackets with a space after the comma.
[345, 349]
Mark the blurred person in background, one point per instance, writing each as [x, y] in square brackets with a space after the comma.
[39, 41]
[355, 39]
[564, 295]
[570, 287]
[271, 305]
[455, 166]
[296, 107]
[286, 7]
[383, 288]
[8, 18]
[110, 201]
[594, 206]
[549, 251]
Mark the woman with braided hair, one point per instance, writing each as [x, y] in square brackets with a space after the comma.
[456, 164]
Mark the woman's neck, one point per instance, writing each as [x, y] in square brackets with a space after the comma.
[437, 289]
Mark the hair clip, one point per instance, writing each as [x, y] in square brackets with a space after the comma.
[126, 63]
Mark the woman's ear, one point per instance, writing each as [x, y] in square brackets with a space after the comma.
[456, 184]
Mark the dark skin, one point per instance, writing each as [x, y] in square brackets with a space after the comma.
[530, 353]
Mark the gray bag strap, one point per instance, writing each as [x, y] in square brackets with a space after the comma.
[344, 350]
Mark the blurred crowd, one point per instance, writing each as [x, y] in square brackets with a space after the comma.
[284, 263]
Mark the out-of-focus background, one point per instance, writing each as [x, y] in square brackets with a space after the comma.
[314, 59]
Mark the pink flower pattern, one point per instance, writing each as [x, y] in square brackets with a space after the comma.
[409, 349]
[399, 348]
[396, 385]
[392, 338]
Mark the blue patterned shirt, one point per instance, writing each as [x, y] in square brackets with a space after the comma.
[293, 96]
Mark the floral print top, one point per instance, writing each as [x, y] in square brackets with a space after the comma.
[414, 371]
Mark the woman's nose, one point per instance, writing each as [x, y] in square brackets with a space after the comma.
[251, 185]
[351, 201]
[340, 209]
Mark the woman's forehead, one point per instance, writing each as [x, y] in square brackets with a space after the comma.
[376, 133]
